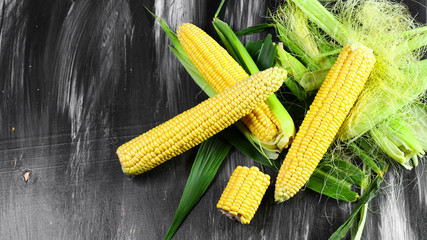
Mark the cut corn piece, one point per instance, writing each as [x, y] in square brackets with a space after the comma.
[220, 70]
[243, 194]
[328, 111]
[192, 127]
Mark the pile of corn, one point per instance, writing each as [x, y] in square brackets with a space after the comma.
[241, 96]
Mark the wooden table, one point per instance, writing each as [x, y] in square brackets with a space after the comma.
[79, 78]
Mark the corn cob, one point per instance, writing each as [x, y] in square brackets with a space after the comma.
[243, 194]
[192, 127]
[328, 111]
[221, 71]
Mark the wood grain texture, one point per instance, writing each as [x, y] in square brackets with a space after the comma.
[78, 78]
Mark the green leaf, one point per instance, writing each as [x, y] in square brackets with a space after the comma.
[219, 8]
[378, 156]
[329, 185]
[253, 48]
[342, 170]
[366, 158]
[296, 89]
[171, 34]
[359, 224]
[263, 52]
[234, 46]
[208, 159]
[370, 193]
[335, 178]
[267, 53]
[254, 29]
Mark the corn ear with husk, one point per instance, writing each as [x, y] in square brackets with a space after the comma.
[220, 70]
[328, 111]
[192, 127]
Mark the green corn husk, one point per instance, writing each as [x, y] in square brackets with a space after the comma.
[403, 137]
[336, 178]
[390, 87]
[290, 63]
[367, 196]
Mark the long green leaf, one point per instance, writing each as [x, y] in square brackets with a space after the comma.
[366, 158]
[171, 34]
[253, 48]
[254, 29]
[267, 54]
[326, 184]
[370, 193]
[342, 170]
[358, 226]
[208, 159]
[234, 46]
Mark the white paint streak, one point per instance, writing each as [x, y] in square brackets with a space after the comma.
[246, 15]
[306, 231]
[394, 222]
[422, 183]
[174, 13]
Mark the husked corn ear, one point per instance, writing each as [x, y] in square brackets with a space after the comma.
[328, 111]
[192, 127]
[221, 71]
[243, 194]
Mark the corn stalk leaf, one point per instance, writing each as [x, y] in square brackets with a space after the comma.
[253, 48]
[323, 182]
[342, 170]
[234, 46]
[254, 29]
[211, 154]
[370, 193]
[263, 52]
[266, 54]
[366, 158]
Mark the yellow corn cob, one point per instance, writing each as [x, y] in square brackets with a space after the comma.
[220, 70]
[243, 194]
[192, 127]
[330, 107]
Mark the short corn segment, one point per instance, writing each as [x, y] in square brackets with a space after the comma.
[328, 111]
[192, 127]
[243, 194]
[220, 70]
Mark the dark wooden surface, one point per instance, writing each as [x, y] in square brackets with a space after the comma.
[79, 78]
